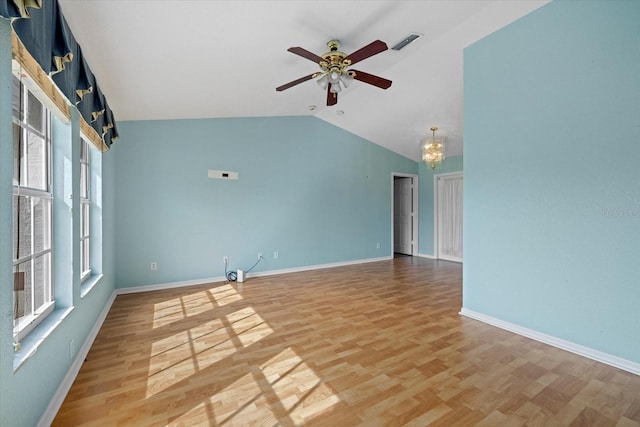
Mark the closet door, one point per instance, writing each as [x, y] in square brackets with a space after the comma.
[448, 216]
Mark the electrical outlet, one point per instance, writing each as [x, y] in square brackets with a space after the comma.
[259, 255]
[225, 259]
[276, 255]
[378, 245]
[154, 265]
[72, 349]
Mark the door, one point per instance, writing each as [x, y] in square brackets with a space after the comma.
[448, 216]
[402, 215]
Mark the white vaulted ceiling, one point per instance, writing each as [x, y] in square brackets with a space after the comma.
[199, 59]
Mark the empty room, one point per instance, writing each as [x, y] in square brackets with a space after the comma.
[354, 213]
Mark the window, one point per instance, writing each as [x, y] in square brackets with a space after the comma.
[90, 216]
[85, 210]
[32, 211]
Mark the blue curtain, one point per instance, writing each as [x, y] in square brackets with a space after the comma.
[42, 29]
[18, 8]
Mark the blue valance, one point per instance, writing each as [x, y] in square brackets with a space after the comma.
[45, 34]
[18, 8]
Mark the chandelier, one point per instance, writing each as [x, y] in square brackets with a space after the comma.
[334, 69]
[433, 149]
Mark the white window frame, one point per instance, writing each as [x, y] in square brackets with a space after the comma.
[85, 210]
[22, 188]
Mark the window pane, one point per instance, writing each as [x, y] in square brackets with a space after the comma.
[84, 156]
[22, 224]
[41, 224]
[35, 115]
[85, 240]
[86, 255]
[84, 190]
[37, 162]
[84, 252]
[15, 99]
[42, 284]
[22, 298]
[84, 220]
[84, 169]
[17, 154]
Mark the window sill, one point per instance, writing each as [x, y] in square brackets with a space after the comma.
[31, 342]
[89, 284]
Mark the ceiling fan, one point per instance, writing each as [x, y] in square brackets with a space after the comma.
[333, 66]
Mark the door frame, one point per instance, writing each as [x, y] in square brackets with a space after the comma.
[436, 219]
[414, 211]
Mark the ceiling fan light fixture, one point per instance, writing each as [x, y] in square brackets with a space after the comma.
[346, 79]
[334, 75]
[335, 87]
[323, 81]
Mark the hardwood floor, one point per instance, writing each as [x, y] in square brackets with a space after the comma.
[378, 344]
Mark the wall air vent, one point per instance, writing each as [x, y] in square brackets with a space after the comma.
[409, 39]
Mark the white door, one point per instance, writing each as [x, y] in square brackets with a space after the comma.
[402, 215]
[448, 216]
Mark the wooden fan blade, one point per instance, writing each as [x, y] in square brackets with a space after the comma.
[332, 98]
[371, 49]
[306, 54]
[371, 79]
[295, 82]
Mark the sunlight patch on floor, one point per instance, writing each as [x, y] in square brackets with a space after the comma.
[284, 385]
[193, 304]
[300, 392]
[243, 400]
[249, 327]
[186, 353]
[224, 295]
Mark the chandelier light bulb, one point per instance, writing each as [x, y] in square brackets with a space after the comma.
[433, 149]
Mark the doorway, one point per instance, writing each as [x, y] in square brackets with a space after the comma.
[448, 216]
[404, 234]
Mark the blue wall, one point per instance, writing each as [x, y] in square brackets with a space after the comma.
[426, 201]
[306, 189]
[552, 183]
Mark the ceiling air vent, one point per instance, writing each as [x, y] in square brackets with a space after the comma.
[409, 39]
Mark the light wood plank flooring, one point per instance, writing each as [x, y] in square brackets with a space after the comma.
[378, 344]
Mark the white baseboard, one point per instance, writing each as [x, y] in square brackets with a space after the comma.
[458, 260]
[318, 267]
[66, 383]
[451, 259]
[171, 285]
[608, 359]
